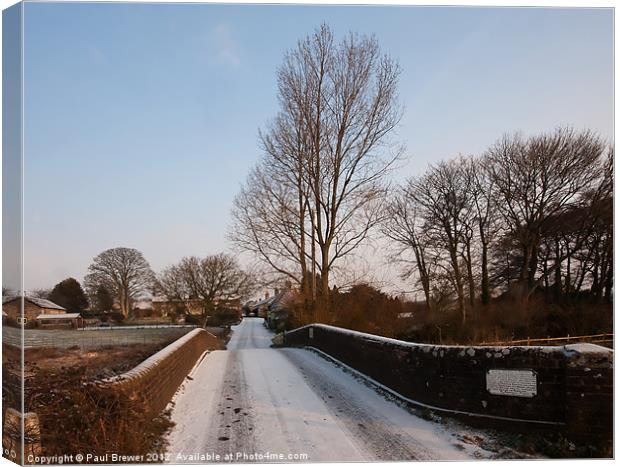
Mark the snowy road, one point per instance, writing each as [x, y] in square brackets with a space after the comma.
[255, 403]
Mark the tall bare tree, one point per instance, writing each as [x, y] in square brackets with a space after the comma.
[445, 204]
[485, 217]
[330, 147]
[122, 271]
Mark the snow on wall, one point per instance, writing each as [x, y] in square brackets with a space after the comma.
[573, 384]
[571, 349]
[156, 379]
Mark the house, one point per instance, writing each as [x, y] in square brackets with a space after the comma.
[34, 310]
[259, 308]
[33, 307]
[142, 308]
[279, 309]
[164, 307]
[191, 306]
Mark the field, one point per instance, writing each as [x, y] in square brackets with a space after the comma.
[76, 416]
[91, 339]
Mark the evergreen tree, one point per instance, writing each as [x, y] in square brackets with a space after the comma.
[70, 295]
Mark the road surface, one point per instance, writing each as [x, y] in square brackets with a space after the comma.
[256, 403]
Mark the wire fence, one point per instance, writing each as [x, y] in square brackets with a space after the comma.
[606, 340]
[136, 326]
[69, 339]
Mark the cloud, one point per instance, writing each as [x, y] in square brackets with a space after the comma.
[224, 46]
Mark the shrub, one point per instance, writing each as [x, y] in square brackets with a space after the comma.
[77, 416]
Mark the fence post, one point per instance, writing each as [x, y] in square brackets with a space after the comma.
[12, 439]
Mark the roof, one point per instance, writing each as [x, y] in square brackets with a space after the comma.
[143, 305]
[59, 316]
[281, 301]
[40, 302]
[265, 301]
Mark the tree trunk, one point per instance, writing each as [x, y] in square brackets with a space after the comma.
[458, 279]
[609, 281]
[470, 277]
[421, 263]
[595, 288]
[313, 254]
[567, 286]
[557, 285]
[302, 246]
[484, 281]
[124, 303]
[325, 271]
[533, 266]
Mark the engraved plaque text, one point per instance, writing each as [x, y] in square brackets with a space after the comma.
[517, 383]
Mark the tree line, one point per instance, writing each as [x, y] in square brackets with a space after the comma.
[531, 215]
[121, 276]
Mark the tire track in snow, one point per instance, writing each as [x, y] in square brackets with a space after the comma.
[234, 431]
[293, 401]
[372, 430]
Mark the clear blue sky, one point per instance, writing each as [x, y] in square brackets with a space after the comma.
[141, 120]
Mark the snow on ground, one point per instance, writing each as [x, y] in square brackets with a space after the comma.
[256, 403]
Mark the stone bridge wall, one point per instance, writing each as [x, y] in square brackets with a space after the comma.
[573, 384]
[155, 380]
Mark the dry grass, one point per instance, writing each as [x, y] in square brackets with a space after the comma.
[75, 415]
[100, 363]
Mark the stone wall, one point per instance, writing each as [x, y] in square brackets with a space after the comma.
[156, 379]
[572, 384]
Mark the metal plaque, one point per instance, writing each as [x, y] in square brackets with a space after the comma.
[517, 383]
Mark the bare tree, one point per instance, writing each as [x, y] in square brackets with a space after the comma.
[328, 151]
[216, 280]
[266, 223]
[40, 293]
[354, 111]
[578, 240]
[485, 217]
[122, 271]
[537, 178]
[171, 282]
[444, 198]
[601, 262]
[403, 225]
[286, 146]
